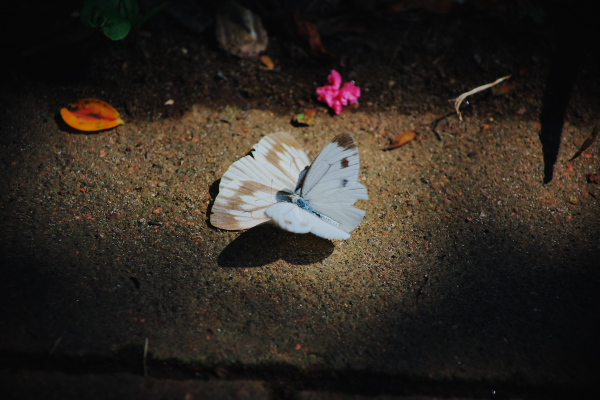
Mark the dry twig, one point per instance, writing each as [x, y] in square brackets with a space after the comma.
[463, 96]
[588, 142]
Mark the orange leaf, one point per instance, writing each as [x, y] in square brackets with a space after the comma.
[401, 139]
[91, 115]
[269, 65]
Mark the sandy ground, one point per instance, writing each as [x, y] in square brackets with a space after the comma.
[467, 277]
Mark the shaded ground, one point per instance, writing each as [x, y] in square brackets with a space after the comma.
[467, 278]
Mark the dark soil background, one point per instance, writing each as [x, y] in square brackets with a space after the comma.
[474, 274]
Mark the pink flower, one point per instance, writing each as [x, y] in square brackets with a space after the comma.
[336, 97]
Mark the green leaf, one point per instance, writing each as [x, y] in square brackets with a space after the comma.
[117, 29]
[116, 17]
[97, 13]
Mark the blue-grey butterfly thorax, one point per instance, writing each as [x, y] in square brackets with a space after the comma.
[300, 202]
[288, 196]
[305, 205]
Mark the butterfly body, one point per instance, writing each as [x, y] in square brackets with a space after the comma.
[258, 188]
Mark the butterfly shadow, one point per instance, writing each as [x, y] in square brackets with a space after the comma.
[266, 243]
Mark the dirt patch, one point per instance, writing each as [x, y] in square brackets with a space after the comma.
[466, 268]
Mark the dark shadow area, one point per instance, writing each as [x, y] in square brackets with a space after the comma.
[570, 56]
[284, 380]
[266, 243]
[566, 63]
[127, 359]
[46, 42]
[213, 191]
[62, 125]
[503, 307]
[556, 98]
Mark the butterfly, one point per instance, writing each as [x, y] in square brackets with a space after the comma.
[277, 183]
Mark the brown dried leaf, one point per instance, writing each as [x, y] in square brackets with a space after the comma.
[503, 89]
[310, 32]
[402, 139]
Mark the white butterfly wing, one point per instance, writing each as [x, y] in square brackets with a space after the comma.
[292, 218]
[250, 185]
[283, 152]
[331, 183]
